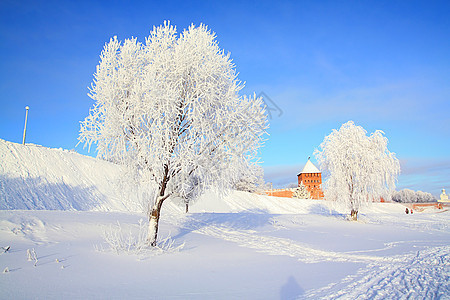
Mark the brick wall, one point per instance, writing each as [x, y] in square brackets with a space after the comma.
[286, 193]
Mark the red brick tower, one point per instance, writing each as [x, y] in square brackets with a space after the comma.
[312, 179]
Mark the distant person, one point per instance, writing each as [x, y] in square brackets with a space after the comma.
[407, 211]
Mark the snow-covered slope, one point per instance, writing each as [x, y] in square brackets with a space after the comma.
[36, 177]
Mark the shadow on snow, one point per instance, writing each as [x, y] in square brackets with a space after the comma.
[39, 194]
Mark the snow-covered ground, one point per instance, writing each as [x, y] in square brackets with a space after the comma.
[245, 246]
[35, 177]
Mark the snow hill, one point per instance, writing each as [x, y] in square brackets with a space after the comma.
[34, 177]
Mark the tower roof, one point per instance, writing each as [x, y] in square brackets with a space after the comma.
[309, 168]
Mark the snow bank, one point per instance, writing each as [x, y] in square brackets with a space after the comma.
[36, 177]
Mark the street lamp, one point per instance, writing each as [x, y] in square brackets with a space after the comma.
[25, 128]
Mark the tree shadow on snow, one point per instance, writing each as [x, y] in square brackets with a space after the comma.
[235, 221]
[38, 194]
[323, 210]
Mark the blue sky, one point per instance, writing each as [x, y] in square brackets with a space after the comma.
[383, 64]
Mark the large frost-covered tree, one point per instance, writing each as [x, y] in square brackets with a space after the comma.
[170, 109]
[358, 168]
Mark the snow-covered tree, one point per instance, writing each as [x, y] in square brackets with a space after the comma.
[410, 196]
[423, 197]
[251, 179]
[301, 192]
[358, 168]
[170, 110]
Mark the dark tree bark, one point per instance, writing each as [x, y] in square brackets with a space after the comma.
[154, 220]
[153, 224]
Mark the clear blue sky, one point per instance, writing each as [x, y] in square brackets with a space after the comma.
[383, 64]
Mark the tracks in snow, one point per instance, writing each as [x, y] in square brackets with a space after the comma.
[282, 246]
[421, 276]
[424, 274]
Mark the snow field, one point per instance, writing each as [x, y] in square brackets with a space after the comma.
[228, 255]
[245, 246]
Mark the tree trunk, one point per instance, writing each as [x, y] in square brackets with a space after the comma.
[153, 216]
[154, 220]
[187, 207]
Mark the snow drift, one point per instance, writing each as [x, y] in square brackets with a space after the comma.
[35, 177]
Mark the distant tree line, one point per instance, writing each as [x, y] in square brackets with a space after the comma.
[410, 196]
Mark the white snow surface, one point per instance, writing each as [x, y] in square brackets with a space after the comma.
[35, 177]
[245, 246]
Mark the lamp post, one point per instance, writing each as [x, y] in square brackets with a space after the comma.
[25, 128]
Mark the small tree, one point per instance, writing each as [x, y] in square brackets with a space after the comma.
[301, 192]
[358, 168]
[170, 110]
